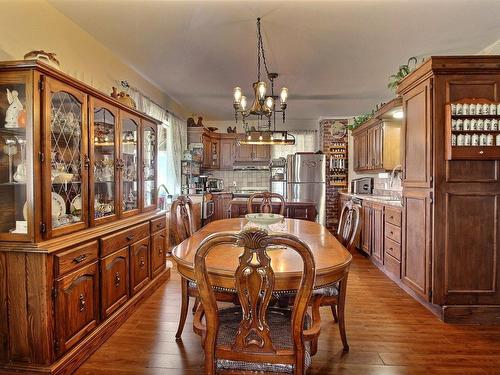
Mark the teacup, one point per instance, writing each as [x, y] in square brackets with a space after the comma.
[486, 109]
[467, 140]
[475, 140]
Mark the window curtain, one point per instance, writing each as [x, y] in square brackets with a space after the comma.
[305, 141]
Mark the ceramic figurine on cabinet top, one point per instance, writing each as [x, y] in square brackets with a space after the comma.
[14, 110]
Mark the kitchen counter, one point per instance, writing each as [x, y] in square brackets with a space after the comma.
[383, 199]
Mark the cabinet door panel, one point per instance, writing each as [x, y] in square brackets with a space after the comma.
[366, 229]
[244, 152]
[417, 142]
[226, 154]
[130, 187]
[416, 241]
[378, 233]
[158, 250]
[139, 265]
[262, 153]
[114, 283]
[207, 151]
[76, 306]
[149, 166]
[65, 139]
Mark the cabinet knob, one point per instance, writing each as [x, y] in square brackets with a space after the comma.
[130, 238]
[141, 263]
[117, 279]
[481, 152]
[82, 302]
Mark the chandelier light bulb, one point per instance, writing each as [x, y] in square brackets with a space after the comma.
[237, 94]
[261, 90]
[249, 137]
[269, 102]
[243, 102]
[284, 95]
[260, 137]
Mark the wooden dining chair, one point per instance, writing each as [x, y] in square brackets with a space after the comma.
[181, 221]
[255, 336]
[266, 205]
[334, 295]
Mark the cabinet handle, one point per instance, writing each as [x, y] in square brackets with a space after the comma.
[141, 263]
[160, 251]
[130, 238]
[117, 279]
[392, 233]
[391, 217]
[86, 161]
[82, 302]
[80, 258]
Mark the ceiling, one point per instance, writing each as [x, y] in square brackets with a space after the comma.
[334, 56]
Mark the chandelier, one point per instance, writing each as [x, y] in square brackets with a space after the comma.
[264, 107]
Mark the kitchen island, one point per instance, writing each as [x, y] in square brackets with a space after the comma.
[295, 210]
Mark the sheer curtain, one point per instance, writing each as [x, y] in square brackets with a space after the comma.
[305, 141]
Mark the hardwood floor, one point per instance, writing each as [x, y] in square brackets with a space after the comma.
[388, 333]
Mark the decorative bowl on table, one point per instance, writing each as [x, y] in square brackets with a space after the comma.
[264, 220]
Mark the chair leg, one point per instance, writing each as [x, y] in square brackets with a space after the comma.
[341, 308]
[334, 313]
[184, 308]
[196, 303]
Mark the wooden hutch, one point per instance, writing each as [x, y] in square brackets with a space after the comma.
[451, 187]
[82, 240]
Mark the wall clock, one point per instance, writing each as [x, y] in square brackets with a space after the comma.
[338, 130]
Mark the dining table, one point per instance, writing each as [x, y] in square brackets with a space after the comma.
[332, 259]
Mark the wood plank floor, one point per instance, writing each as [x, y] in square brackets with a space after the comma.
[388, 333]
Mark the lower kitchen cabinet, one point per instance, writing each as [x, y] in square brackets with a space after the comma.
[222, 202]
[366, 227]
[139, 265]
[377, 233]
[293, 210]
[115, 281]
[76, 306]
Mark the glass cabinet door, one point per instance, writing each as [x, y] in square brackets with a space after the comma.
[16, 157]
[102, 174]
[65, 201]
[129, 164]
[149, 155]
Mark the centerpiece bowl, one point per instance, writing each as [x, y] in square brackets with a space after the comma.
[264, 220]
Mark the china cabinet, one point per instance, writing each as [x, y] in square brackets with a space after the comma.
[82, 240]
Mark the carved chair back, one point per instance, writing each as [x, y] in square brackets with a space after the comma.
[181, 219]
[349, 224]
[254, 282]
[266, 202]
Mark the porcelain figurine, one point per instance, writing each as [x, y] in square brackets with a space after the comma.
[14, 110]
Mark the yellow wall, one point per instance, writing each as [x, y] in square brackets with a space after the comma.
[35, 24]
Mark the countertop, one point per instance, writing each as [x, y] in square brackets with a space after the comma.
[383, 199]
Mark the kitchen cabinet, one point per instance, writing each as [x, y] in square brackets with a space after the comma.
[77, 306]
[79, 167]
[252, 153]
[159, 244]
[377, 143]
[210, 152]
[366, 227]
[222, 202]
[377, 234]
[139, 265]
[227, 153]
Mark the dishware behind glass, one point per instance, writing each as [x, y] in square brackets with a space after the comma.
[475, 140]
[467, 140]
[473, 124]
[480, 124]
[482, 140]
[487, 124]
[460, 124]
[479, 109]
[458, 111]
[465, 109]
[493, 109]
[494, 124]
[472, 109]
[498, 140]
[489, 140]
[466, 124]
[460, 140]
[486, 109]
[453, 139]
[453, 109]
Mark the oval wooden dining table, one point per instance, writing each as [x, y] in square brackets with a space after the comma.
[331, 258]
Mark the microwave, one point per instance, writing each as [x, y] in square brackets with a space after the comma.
[215, 184]
[362, 185]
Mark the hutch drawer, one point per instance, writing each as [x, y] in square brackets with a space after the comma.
[74, 258]
[124, 238]
[393, 232]
[158, 224]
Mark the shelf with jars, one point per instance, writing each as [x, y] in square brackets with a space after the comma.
[473, 130]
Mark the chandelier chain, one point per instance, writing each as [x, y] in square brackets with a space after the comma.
[260, 51]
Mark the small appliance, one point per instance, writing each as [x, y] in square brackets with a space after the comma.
[362, 185]
[215, 184]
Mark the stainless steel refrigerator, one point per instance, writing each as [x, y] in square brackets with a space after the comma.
[306, 180]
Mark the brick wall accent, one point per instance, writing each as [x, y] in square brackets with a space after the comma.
[332, 193]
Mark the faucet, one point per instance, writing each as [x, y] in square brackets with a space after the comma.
[161, 201]
[393, 175]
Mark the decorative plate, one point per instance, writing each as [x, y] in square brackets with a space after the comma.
[264, 219]
[76, 203]
[58, 205]
[338, 130]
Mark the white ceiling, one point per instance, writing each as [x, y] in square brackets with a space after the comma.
[334, 56]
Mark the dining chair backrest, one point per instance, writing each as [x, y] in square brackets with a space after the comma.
[349, 224]
[266, 205]
[181, 219]
[254, 283]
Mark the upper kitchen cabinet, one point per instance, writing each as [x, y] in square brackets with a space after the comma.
[227, 147]
[252, 153]
[376, 143]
